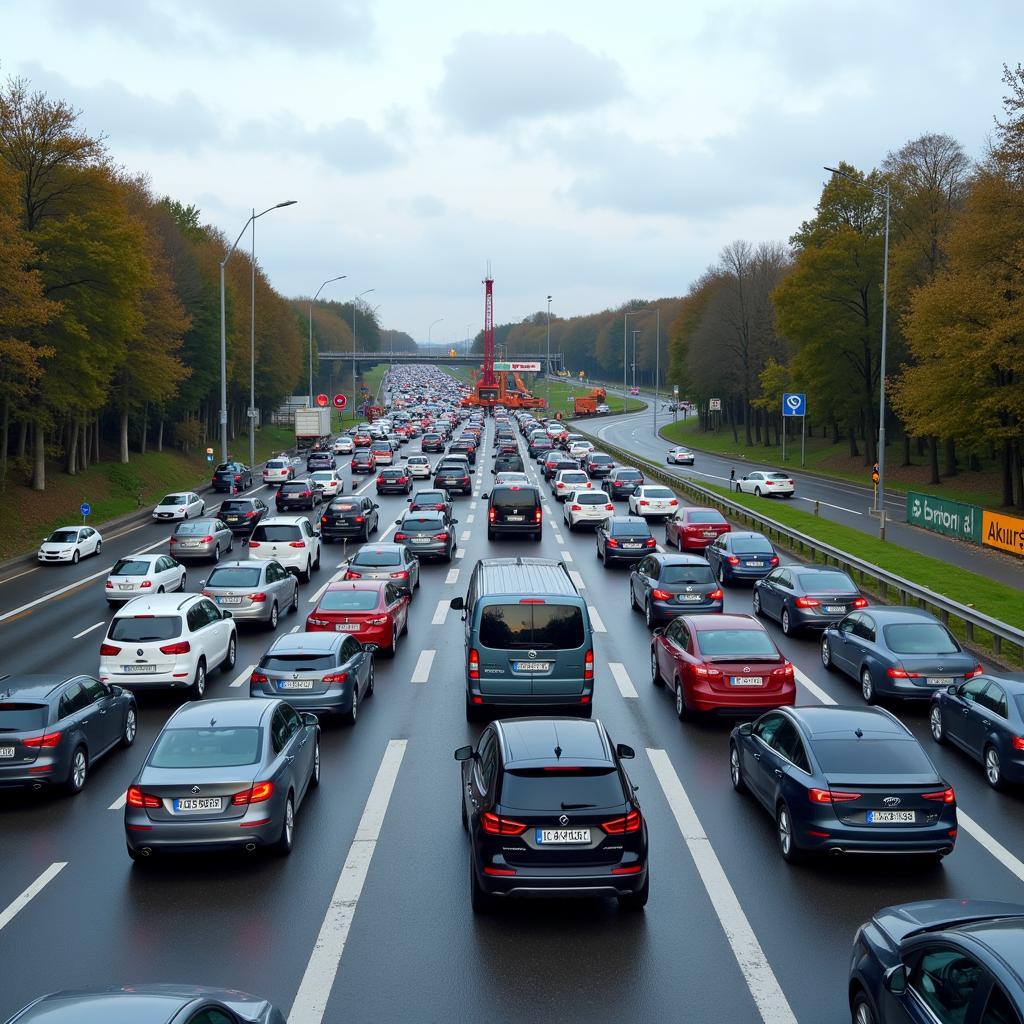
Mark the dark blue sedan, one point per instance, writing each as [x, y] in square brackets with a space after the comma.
[896, 652]
[985, 718]
[843, 780]
[939, 960]
[739, 556]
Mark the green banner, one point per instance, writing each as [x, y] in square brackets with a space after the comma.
[940, 515]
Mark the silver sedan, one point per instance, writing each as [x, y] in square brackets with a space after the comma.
[201, 538]
[257, 590]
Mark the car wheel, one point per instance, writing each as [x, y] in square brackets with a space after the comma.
[184, 578]
[229, 661]
[99, 547]
[366, 533]
[936, 725]
[826, 655]
[861, 1009]
[655, 672]
[784, 835]
[464, 815]
[350, 716]
[78, 771]
[393, 649]
[757, 603]
[272, 621]
[993, 767]
[199, 682]
[74, 557]
[867, 686]
[314, 778]
[307, 573]
[316, 564]
[480, 901]
[473, 713]
[648, 614]
[721, 574]
[757, 492]
[294, 607]
[681, 709]
[632, 598]
[216, 553]
[636, 900]
[787, 626]
[159, 590]
[604, 558]
[283, 846]
[231, 544]
[736, 769]
[369, 680]
[490, 535]
[131, 726]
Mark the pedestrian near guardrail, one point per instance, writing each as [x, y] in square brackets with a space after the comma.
[732, 479]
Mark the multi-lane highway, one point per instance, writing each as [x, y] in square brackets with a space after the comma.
[370, 916]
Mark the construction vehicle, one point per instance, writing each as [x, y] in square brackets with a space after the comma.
[586, 405]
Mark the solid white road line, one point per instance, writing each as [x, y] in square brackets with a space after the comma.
[764, 987]
[440, 613]
[20, 902]
[25, 572]
[421, 673]
[595, 620]
[566, 556]
[78, 636]
[812, 687]
[319, 592]
[577, 580]
[119, 802]
[242, 676]
[827, 504]
[622, 680]
[55, 593]
[461, 553]
[315, 988]
[452, 577]
[295, 629]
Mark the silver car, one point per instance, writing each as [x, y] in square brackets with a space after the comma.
[393, 562]
[201, 538]
[257, 590]
[223, 774]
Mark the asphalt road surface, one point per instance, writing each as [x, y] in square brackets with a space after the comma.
[370, 917]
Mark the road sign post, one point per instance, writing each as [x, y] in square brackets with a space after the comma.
[85, 508]
[794, 404]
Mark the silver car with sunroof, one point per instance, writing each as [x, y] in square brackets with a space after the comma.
[257, 590]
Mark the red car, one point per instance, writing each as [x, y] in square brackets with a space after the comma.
[373, 611]
[362, 440]
[693, 529]
[363, 461]
[721, 663]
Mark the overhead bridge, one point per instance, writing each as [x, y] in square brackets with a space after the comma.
[432, 359]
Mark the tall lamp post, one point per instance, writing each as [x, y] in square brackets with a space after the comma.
[439, 320]
[547, 362]
[224, 343]
[340, 277]
[657, 366]
[880, 493]
[354, 301]
[625, 362]
[469, 338]
[636, 331]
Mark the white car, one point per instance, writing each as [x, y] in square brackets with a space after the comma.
[679, 456]
[343, 445]
[328, 481]
[277, 471]
[168, 640]
[182, 505]
[141, 575]
[767, 484]
[603, 410]
[580, 450]
[651, 500]
[69, 544]
[565, 481]
[419, 467]
[590, 507]
[290, 540]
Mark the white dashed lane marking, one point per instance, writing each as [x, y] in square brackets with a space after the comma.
[622, 680]
[421, 673]
[440, 613]
[595, 620]
[452, 577]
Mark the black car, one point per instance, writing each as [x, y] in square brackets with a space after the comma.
[394, 481]
[355, 516]
[427, 534]
[293, 494]
[453, 476]
[514, 509]
[806, 596]
[508, 464]
[432, 501]
[231, 476]
[622, 482]
[556, 461]
[242, 514]
[741, 555]
[984, 717]
[550, 811]
[320, 460]
[843, 780]
[54, 728]
[664, 586]
[939, 960]
[432, 442]
[624, 539]
[464, 446]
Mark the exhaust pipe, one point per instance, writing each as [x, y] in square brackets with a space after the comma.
[250, 847]
[36, 786]
[837, 851]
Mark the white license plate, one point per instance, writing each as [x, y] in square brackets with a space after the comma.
[138, 668]
[229, 600]
[937, 680]
[562, 836]
[756, 565]
[198, 803]
[882, 817]
[709, 533]
[421, 540]
[632, 546]
[531, 666]
[516, 519]
[835, 609]
[346, 627]
[747, 680]
[691, 597]
[190, 543]
[125, 586]
[6, 751]
[295, 684]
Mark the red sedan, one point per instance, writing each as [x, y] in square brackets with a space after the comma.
[693, 529]
[721, 663]
[373, 611]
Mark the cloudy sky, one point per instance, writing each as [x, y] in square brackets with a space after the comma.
[595, 151]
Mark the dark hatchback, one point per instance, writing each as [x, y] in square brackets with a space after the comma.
[231, 476]
[464, 446]
[508, 464]
[432, 501]
[427, 534]
[843, 780]
[296, 494]
[806, 597]
[624, 539]
[551, 812]
[242, 514]
[514, 509]
[394, 481]
[355, 516]
[622, 482]
[664, 586]
[741, 556]
[432, 443]
[453, 476]
[939, 960]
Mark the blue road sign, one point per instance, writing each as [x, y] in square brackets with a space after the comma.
[794, 405]
[85, 508]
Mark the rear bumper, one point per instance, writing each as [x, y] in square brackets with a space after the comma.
[42, 771]
[581, 698]
[739, 701]
[336, 701]
[183, 836]
[514, 528]
[663, 612]
[556, 883]
[881, 840]
[196, 553]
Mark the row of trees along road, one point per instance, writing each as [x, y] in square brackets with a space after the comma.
[110, 306]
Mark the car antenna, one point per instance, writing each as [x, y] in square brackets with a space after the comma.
[558, 752]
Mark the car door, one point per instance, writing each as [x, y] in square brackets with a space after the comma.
[714, 552]
[945, 984]
[839, 641]
[768, 591]
[788, 766]
[640, 579]
[104, 711]
[412, 565]
[77, 714]
[759, 764]
[301, 745]
[482, 772]
[168, 573]
[960, 719]
[677, 639]
[283, 584]
[988, 714]
[215, 632]
[355, 661]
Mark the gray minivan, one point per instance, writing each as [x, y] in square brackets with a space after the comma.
[524, 652]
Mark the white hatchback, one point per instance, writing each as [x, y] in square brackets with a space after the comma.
[767, 484]
[565, 481]
[329, 481]
[419, 467]
[277, 471]
[589, 507]
[168, 640]
[580, 449]
[653, 500]
[69, 544]
[182, 505]
[343, 445]
[290, 540]
[142, 575]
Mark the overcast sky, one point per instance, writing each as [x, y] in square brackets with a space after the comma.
[595, 151]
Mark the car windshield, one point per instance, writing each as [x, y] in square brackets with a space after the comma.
[277, 464]
[194, 528]
[522, 626]
[752, 546]
[704, 517]
[871, 757]
[630, 530]
[18, 717]
[276, 534]
[206, 748]
[686, 574]
[175, 499]
[736, 643]
[63, 536]
[296, 487]
[349, 601]
[513, 497]
[138, 629]
[656, 492]
[575, 476]
[371, 557]
[919, 638]
[131, 567]
[629, 474]
[540, 790]
[827, 582]
[298, 661]
[234, 576]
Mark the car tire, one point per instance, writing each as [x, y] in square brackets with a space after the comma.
[351, 716]
[681, 709]
[786, 622]
[78, 771]
[316, 564]
[480, 901]
[757, 603]
[131, 726]
[307, 573]
[757, 492]
[648, 614]
[826, 656]
[99, 547]
[636, 900]
[860, 1010]
[74, 557]
[632, 599]
[490, 535]
[216, 554]
[791, 854]
[272, 621]
[736, 769]
[393, 649]
[721, 574]
[656, 679]
[370, 679]
[198, 687]
[867, 686]
[232, 656]
[286, 840]
[464, 815]
[314, 778]
[993, 767]
[935, 724]
[159, 590]
[184, 580]
[294, 606]
[366, 533]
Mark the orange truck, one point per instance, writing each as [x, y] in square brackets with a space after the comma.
[586, 405]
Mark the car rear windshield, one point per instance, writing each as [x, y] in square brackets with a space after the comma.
[349, 601]
[344, 506]
[145, 628]
[657, 492]
[130, 567]
[513, 497]
[367, 556]
[415, 522]
[736, 643]
[591, 498]
[686, 574]
[777, 476]
[276, 533]
[391, 474]
[294, 487]
[175, 499]
[319, 661]
[629, 474]
[548, 627]
[235, 506]
[601, 458]
[429, 497]
[631, 530]
[64, 537]
[277, 464]
[871, 757]
[540, 790]
[919, 638]
[827, 582]
[705, 517]
[752, 546]
[206, 748]
[574, 476]
[235, 576]
[195, 528]
[22, 717]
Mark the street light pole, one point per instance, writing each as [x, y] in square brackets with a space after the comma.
[469, 338]
[547, 362]
[439, 320]
[880, 492]
[354, 301]
[657, 366]
[625, 390]
[636, 331]
[340, 277]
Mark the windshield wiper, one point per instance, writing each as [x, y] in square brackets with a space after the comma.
[576, 807]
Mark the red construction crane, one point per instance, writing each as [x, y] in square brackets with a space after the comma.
[489, 380]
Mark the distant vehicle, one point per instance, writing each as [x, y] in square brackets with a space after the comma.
[242, 515]
[201, 538]
[181, 505]
[355, 516]
[141, 575]
[653, 501]
[634, 391]
[230, 477]
[679, 456]
[623, 539]
[664, 586]
[69, 544]
[768, 485]
[586, 506]
[693, 529]
[277, 471]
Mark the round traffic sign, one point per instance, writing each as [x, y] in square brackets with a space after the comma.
[85, 508]
[340, 401]
[322, 401]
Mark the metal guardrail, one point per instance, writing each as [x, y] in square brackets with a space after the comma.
[994, 632]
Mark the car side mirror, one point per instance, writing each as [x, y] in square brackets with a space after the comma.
[202, 583]
[486, 496]
[464, 753]
[372, 648]
[624, 751]
[658, 632]
[747, 729]
[409, 500]
[376, 506]
[225, 614]
[398, 522]
[457, 604]
[895, 979]
[952, 690]
[308, 718]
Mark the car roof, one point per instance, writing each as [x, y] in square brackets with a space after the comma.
[200, 713]
[899, 613]
[741, 534]
[282, 520]
[156, 604]
[532, 742]
[723, 621]
[149, 556]
[673, 559]
[248, 563]
[619, 520]
[35, 685]
[837, 722]
[1012, 681]
[304, 642]
[1004, 936]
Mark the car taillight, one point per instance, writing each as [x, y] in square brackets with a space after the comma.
[576, 508]
[360, 519]
[238, 478]
[611, 542]
[474, 664]
[1017, 743]
[860, 602]
[588, 665]
[380, 478]
[181, 647]
[644, 501]
[259, 678]
[785, 670]
[661, 595]
[49, 739]
[249, 515]
[707, 671]
[401, 536]
[650, 543]
[213, 480]
[323, 519]
[673, 501]
[716, 595]
[632, 822]
[350, 575]
[296, 543]
[733, 560]
[379, 621]
[901, 673]
[490, 515]
[559, 485]
[494, 825]
[976, 671]
[536, 515]
[254, 543]
[441, 536]
[336, 677]
[208, 539]
[109, 650]
[136, 798]
[945, 796]
[807, 602]
[403, 575]
[610, 508]
[830, 796]
[258, 598]
[109, 585]
[774, 560]
[257, 794]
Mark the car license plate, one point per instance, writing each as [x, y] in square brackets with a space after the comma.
[6, 751]
[690, 597]
[835, 609]
[756, 565]
[346, 627]
[883, 817]
[709, 533]
[125, 586]
[229, 600]
[295, 684]
[937, 680]
[138, 668]
[531, 666]
[747, 680]
[562, 836]
[421, 540]
[516, 519]
[198, 803]
[190, 543]
[634, 546]
[231, 519]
